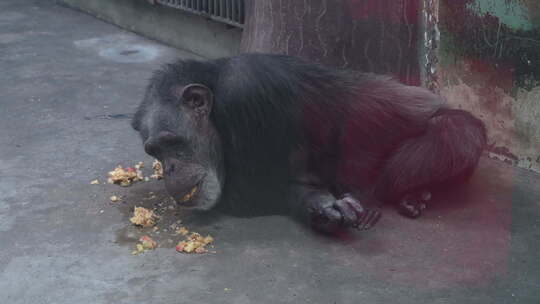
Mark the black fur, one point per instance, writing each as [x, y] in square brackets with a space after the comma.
[283, 122]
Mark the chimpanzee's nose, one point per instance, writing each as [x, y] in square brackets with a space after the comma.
[160, 141]
[170, 166]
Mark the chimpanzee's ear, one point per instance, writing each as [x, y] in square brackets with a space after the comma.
[197, 97]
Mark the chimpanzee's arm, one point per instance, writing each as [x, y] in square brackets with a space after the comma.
[316, 205]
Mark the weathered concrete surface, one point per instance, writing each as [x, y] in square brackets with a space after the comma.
[185, 31]
[62, 240]
[490, 65]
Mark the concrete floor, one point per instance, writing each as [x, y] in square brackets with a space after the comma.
[63, 241]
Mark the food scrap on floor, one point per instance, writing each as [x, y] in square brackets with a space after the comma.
[195, 243]
[182, 231]
[146, 243]
[125, 177]
[158, 169]
[143, 217]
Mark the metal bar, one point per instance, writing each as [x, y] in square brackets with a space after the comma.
[227, 11]
[234, 5]
[242, 10]
[220, 13]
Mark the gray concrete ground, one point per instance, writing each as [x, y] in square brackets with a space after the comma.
[63, 74]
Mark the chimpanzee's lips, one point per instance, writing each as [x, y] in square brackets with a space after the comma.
[187, 198]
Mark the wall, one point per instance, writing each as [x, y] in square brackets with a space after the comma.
[489, 63]
[185, 31]
[378, 36]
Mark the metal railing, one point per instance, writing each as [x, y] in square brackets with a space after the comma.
[227, 11]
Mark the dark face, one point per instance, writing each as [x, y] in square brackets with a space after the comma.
[174, 123]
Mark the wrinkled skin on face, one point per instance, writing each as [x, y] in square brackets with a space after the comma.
[175, 127]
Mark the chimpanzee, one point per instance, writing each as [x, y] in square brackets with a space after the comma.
[258, 130]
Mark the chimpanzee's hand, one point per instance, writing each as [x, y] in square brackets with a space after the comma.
[329, 214]
[412, 205]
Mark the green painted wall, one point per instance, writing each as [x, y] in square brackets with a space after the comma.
[514, 14]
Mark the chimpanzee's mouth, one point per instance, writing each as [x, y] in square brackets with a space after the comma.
[188, 198]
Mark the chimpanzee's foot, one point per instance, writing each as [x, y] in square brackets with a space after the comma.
[412, 205]
[330, 214]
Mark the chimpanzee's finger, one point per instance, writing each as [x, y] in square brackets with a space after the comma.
[370, 219]
[374, 215]
[332, 214]
[349, 214]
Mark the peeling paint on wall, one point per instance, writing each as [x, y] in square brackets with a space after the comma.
[490, 64]
[431, 38]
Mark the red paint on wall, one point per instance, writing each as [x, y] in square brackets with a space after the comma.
[396, 12]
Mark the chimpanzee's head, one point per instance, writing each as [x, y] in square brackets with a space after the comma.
[174, 123]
